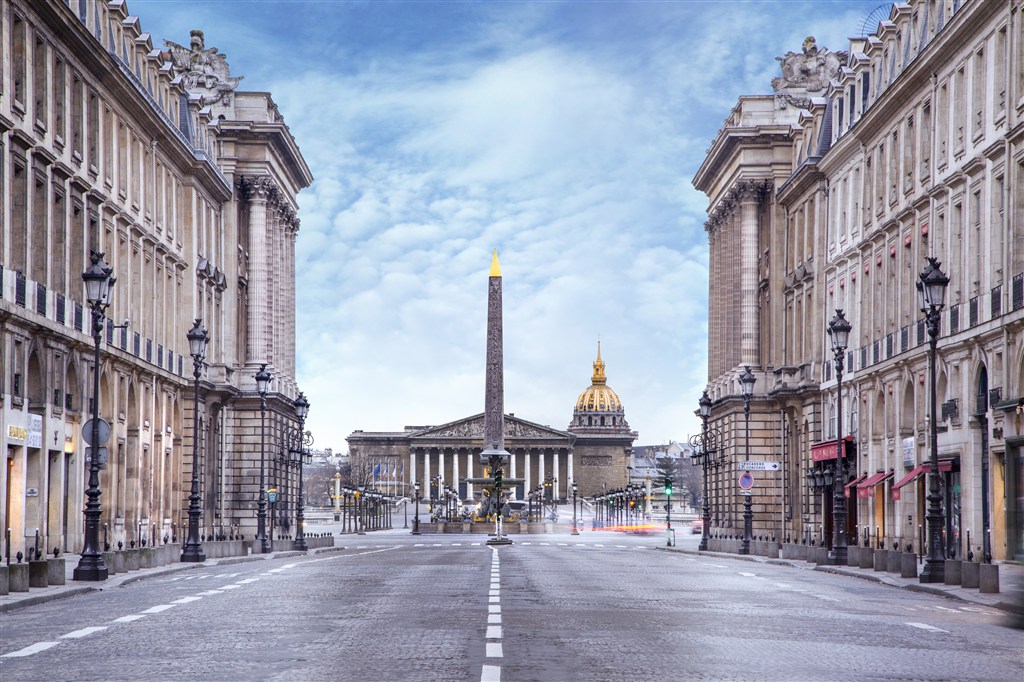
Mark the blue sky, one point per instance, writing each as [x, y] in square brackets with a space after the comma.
[563, 134]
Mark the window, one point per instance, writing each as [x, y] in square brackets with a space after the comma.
[19, 64]
[978, 78]
[894, 166]
[998, 229]
[865, 87]
[925, 149]
[977, 246]
[1000, 81]
[77, 116]
[959, 109]
[93, 131]
[908, 155]
[59, 95]
[942, 125]
[39, 85]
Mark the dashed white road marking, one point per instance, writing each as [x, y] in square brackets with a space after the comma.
[209, 593]
[247, 581]
[598, 545]
[821, 596]
[494, 600]
[491, 673]
[475, 544]
[459, 544]
[925, 626]
[621, 547]
[715, 565]
[944, 608]
[494, 619]
[158, 609]
[418, 544]
[128, 619]
[493, 608]
[230, 587]
[42, 646]
[437, 544]
[494, 650]
[748, 575]
[545, 544]
[563, 544]
[84, 632]
[493, 632]
[185, 600]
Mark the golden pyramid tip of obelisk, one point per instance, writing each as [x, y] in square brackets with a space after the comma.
[495, 267]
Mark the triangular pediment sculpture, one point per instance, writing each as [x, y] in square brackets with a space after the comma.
[473, 428]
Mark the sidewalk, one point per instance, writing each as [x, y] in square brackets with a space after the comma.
[70, 588]
[1010, 598]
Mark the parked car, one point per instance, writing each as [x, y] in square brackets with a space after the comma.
[697, 526]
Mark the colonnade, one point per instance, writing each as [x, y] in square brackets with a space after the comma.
[457, 464]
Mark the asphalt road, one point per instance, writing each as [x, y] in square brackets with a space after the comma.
[600, 606]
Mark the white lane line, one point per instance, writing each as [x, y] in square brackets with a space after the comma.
[209, 593]
[494, 600]
[598, 545]
[84, 632]
[563, 544]
[527, 543]
[493, 593]
[783, 586]
[494, 650]
[491, 673]
[929, 628]
[437, 544]
[493, 608]
[620, 546]
[418, 544]
[944, 608]
[493, 632]
[275, 570]
[35, 649]
[715, 565]
[248, 580]
[748, 575]
[230, 587]
[494, 619]
[545, 544]
[185, 600]
[459, 544]
[158, 609]
[475, 544]
[821, 596]
[128, 619]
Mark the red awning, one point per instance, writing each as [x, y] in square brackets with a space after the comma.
[864, 490]
[854, 482]
[826, 450]
[944, 465]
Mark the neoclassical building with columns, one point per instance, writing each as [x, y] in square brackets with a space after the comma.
[594, 451]
[831, 193]
[152, 155]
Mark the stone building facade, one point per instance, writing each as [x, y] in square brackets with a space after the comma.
[594, 451]
[150, 155]
[913, 148]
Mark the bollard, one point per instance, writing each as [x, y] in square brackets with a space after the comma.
[988, 578]
[969, 574]
[38, 573]
[5, 581]
[56, 574]
[893, 561]
[953, 572]
[867, 557]
[908, 565]
[18, 577]
[881, 559]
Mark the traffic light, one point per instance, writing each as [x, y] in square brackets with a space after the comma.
[668, 486]
[497, 478]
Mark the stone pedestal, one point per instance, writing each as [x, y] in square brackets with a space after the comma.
[908, 565]
[38, 572]
[969, 574]
[881, 559]
[147, 557]
[867, 557]
[18, 577]
[951, 576]
[131, 559]
[893, 561]
[5, 581]
[56, 574]
[988, 579]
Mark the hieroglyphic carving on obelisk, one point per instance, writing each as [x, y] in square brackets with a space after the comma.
[494, 381]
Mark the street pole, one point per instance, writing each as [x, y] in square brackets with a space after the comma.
[839, 331]
[747, 380]
[932, 289]
[193, 550]
[262, 384]
[97, 289]
[301, 410]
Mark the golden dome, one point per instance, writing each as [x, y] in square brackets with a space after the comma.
[598, 397]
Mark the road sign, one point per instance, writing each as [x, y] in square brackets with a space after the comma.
[104, 432]
[272, 496]
[759, 466]
[746, 481]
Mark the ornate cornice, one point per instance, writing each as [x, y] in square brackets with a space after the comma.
[744, 191]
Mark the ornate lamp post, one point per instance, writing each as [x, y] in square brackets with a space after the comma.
[301, 410]
[416, 516]
[931, 289]
[839, 332]
[747, 380]
[262, 384]
[197, 340]
[98, 283]
[575, 526]
[705, 462]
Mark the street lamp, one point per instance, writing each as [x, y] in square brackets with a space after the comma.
[416, 517]
[932, 292]
[575, 527]
[839, 331]
[301, 410]
[262, 384]
[747, 380]
[98, 282]
[197, 340]
[705, 412]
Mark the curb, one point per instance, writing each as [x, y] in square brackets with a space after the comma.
[43, 598]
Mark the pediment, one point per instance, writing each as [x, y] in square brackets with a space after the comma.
[472, 428]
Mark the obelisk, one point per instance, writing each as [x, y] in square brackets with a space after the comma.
[494, 454]
[494, 380]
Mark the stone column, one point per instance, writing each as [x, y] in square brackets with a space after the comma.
[528, 455]
[512, 473]
[555, 457]
[412, 469]
[440, 466]
[540, 464]
[455, 470]
[425, 485]
[469, 473]
[749, 196]
[568, 459]
[258, 191]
